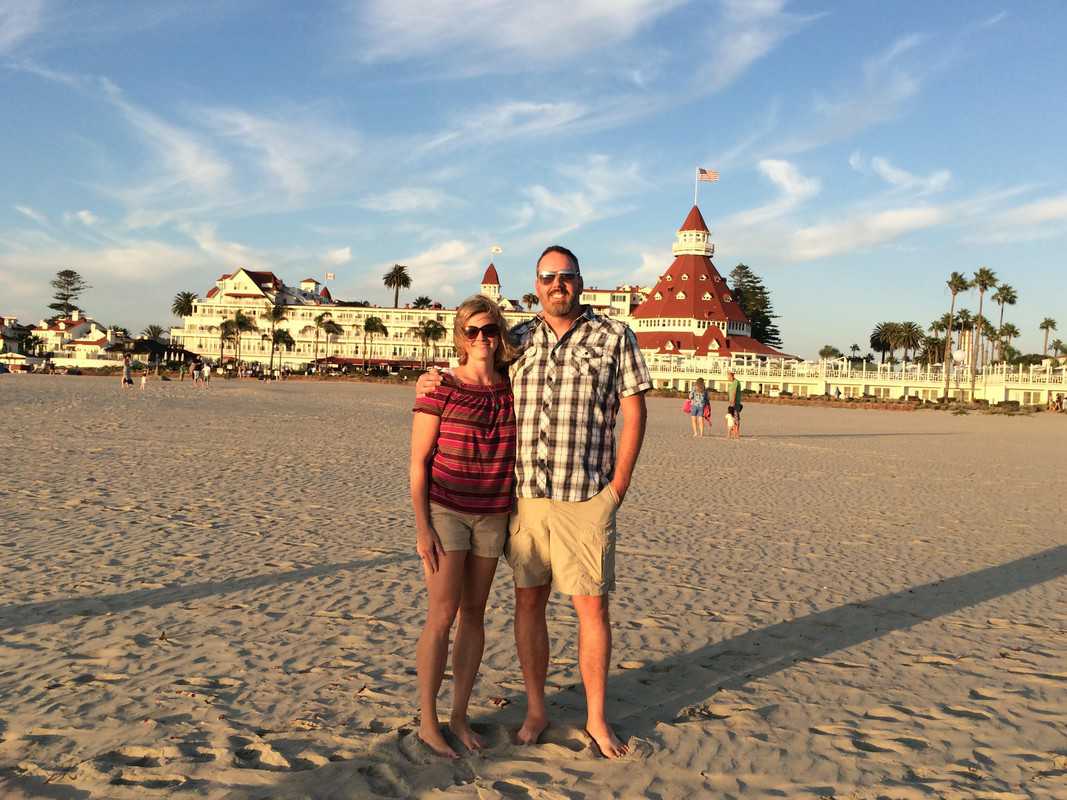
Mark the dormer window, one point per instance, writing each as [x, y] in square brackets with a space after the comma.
[707, 296]
[685, 276]
[718, 279]
[727, 298]
[703, 277]
[658, 296]
[670, 278]
[681, 295]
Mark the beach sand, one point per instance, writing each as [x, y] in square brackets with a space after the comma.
[214, 593]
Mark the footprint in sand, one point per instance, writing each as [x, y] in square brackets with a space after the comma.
[966, 712]
[131, 756]
[100, 677]
[384, 780]
[148, 780]
[260, 755]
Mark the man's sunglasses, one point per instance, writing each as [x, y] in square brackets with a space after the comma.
[490, 331]
[548, 278]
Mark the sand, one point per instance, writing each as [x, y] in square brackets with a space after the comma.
[214, 593]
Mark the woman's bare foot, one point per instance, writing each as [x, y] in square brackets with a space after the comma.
[461, 727]
[607, 741]
[432, 737]
[531, 730]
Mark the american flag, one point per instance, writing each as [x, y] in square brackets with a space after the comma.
[709, 175]
[330, 276]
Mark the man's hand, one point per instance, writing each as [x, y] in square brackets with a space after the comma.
[427, 382]
[620, 489]
[431, 551]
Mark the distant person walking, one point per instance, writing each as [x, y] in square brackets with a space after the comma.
[733, 398]
[699, 407]
[127, 376]
[144, 378]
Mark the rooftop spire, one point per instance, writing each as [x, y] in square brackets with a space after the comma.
[694, 238]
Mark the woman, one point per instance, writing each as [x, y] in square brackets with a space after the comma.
[698, 403]
[462, 471]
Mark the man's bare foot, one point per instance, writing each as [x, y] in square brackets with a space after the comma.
[531, 730]
[607, 741]
[462, 729]
[432, 737]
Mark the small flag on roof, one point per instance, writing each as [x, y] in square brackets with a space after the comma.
[709, 175]
[330, 276]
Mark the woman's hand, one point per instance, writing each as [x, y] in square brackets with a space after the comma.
[427, 382]
[428, 546]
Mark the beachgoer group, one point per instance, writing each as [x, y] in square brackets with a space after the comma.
[543, 446]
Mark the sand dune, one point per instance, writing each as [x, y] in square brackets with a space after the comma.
[214, 593]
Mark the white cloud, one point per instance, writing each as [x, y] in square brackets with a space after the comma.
[141, 261]
[856, 161]
[230, 254]
[793, 189]
[342, 255]
[508, 120]
[1040, 219]
[85, 217]
[864, 230]
[436, 271]
[497, 35]
[406, 200]
[33, 214]
[902, 179]
[19, 20]
[294, 151]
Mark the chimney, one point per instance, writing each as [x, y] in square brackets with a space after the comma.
[75, 315]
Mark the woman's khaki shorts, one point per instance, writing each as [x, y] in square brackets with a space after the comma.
[568, 544]
[482, 534]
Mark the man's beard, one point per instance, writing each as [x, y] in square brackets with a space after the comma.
[561, 306]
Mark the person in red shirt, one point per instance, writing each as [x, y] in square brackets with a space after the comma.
[462, 476]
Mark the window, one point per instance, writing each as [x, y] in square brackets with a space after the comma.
[670, 278]
[703, 277]
[727, 297]
[685, 276]
[658, 296]
[707, 296]
[681, 295]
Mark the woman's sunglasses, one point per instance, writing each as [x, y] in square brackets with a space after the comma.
[490, 331]
[548, 278]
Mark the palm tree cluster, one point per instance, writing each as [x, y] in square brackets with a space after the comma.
[888, 337]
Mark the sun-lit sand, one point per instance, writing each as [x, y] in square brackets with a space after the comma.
[214, 593]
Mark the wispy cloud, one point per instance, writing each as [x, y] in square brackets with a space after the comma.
[898, 178]
[296, 152]
[19, 20]
[511, 119]
[338, 256]
[85, 217]
[834, 238]
[793, 189]
[230, 254]
[496, 35]
[31, 213]
[437, 271]
[406, 200]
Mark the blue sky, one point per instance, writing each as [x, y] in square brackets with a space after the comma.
[866, 150]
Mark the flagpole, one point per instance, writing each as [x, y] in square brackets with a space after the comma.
[696, 183]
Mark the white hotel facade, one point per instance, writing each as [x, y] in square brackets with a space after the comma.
[688, 325]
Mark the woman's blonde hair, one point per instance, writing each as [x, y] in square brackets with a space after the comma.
[480, 304]
[700, 384]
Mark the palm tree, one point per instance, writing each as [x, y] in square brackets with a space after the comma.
[430, 330]
[984, 280]
[828, 351]
[1058, 347]
[957, 282]
[227, 333]
[422, 301]
[275, 315]
[280, 337]
[910, 337]
[1004, 296]
[372, 326]
[32, 345]
[882, 338]
[1007, 332]
[530, 299]
[331, 328]
[396, 279]
[855, 350]
[931, 349]
[153, 332]
[183, 304]
[242, 324]
[1047, 324]
[320, 323]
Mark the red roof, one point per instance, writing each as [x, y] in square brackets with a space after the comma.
[54, 326]
[694, 276]
[689, 343]
[325, 293]
[101, 340]
[263, 278]
[490, 276]
[694, 222]
[214, 290]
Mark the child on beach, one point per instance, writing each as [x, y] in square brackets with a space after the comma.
[699, 404]
[462, 472]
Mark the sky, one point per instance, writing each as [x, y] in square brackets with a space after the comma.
[866, 150]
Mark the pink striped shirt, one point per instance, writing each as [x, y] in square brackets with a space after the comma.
[473, 467]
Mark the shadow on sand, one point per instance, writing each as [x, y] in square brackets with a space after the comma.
[14, 617]
[663, 690]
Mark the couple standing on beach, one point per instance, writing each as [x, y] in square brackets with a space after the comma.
[526, 425]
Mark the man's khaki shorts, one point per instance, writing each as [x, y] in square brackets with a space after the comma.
[568, 544]
[482, 534]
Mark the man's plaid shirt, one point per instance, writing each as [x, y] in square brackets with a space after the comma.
[566, 398]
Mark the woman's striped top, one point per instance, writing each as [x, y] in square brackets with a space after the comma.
[473, 467]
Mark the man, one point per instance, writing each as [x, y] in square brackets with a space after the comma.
[575, 371]
[733, 399]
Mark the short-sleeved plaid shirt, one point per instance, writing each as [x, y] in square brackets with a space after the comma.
[567, 395]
